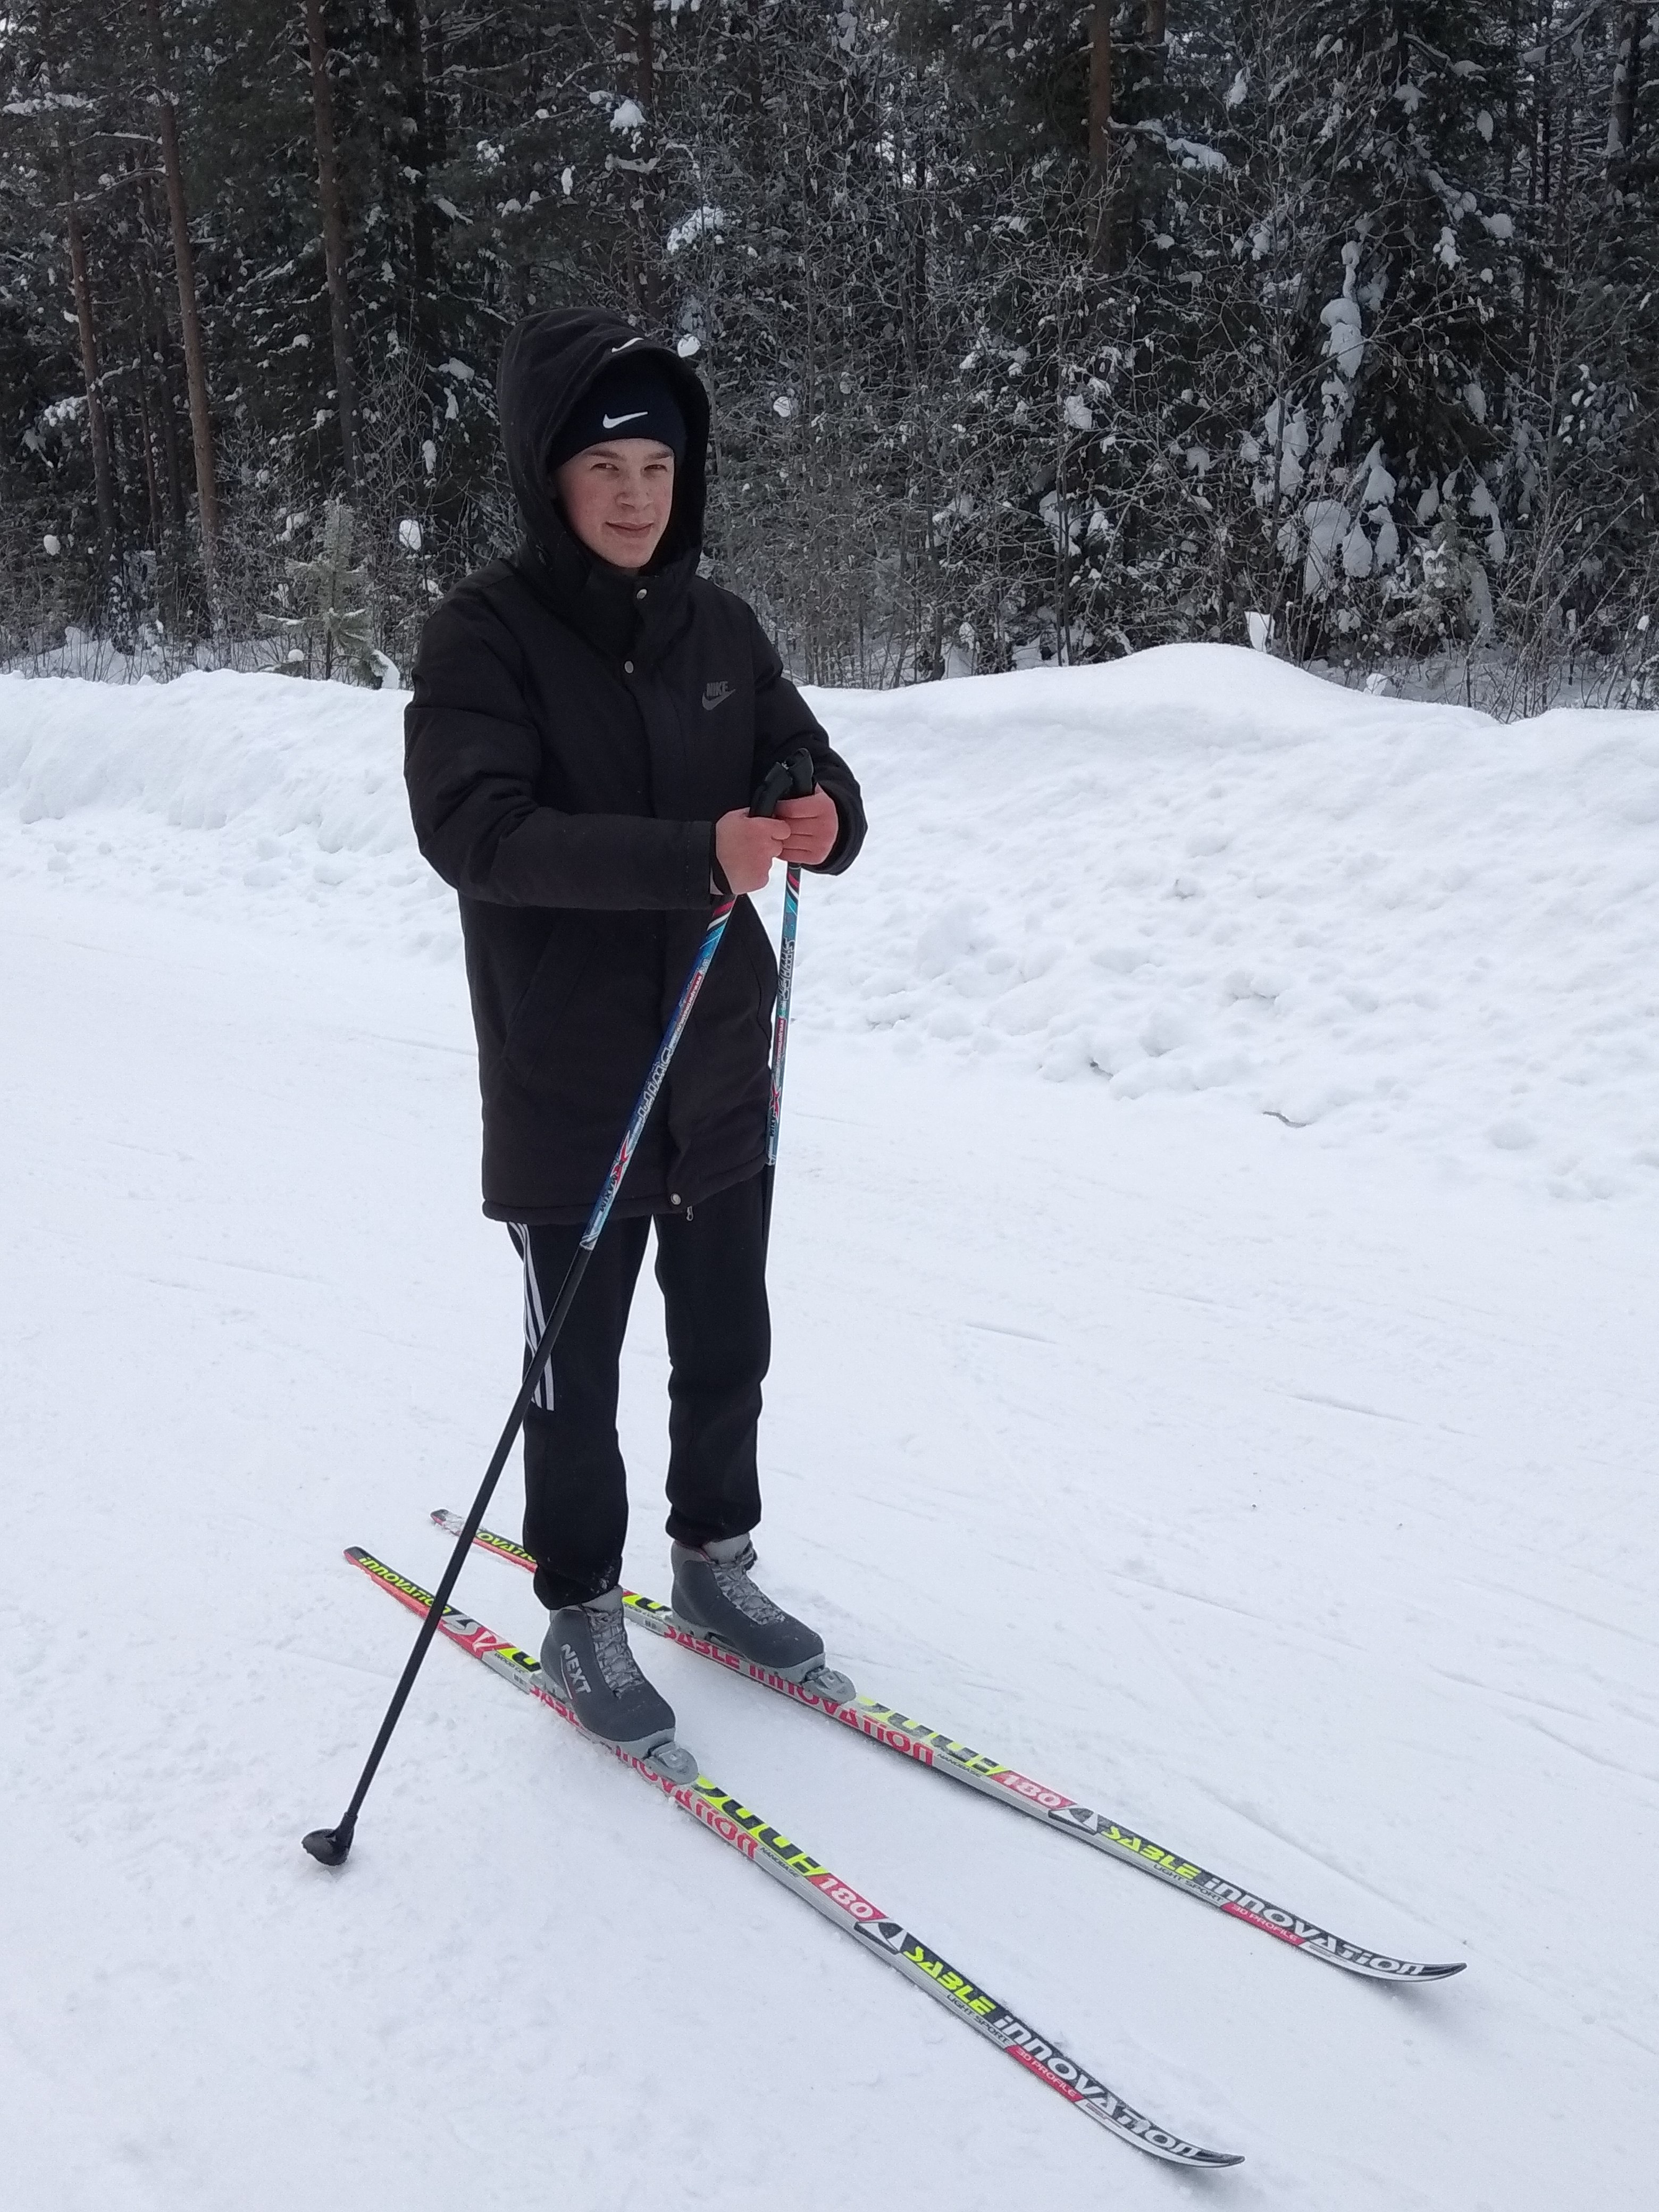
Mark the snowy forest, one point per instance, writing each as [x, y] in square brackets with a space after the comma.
[1035, 331]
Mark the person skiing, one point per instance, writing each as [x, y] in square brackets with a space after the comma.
[589, 722]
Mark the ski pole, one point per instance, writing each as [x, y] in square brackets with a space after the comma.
[790, 779]
[331, 1846]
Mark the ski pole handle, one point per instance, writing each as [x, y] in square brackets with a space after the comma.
[785, 778]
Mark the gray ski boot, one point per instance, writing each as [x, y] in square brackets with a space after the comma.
[585, 1656]
[715, 1598]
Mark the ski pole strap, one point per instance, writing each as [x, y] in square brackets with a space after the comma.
[653, 1081]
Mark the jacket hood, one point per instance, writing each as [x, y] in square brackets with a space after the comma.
[549, 360]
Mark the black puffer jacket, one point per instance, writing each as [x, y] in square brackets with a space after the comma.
[575, 733]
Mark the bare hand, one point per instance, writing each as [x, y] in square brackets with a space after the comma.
[813, 826]
[746, 845]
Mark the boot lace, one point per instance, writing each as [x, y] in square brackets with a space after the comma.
[610, 1649]
[732, 1581]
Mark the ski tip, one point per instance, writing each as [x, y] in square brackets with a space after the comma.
[1170, 2150]
[1443, 1974]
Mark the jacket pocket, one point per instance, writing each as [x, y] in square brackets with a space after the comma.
[757, 948]
[545, 999]
[732, 1027]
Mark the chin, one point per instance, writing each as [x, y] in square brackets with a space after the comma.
[635, 555]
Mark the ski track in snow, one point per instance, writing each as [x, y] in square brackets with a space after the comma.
[1285, 1491]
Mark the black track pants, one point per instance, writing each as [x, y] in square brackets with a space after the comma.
[711, 1267]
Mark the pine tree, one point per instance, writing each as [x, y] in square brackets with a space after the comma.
[331, 625]
[1034, 328]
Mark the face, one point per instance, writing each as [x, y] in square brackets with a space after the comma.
[618, 498]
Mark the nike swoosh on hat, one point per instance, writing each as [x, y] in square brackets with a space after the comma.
[615, 422]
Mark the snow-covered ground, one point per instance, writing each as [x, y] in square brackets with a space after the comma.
[1252, 1434]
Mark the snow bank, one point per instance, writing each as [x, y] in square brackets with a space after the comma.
[1200, 869]
[1195, 870]
[255, 791]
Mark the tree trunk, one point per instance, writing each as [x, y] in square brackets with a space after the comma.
[158, 530]
[1100, 132]
[417, 153]
[635, 39]
[1137, 96]
[332, 207]
[97, 423]
[1539, 292]
[81, 285]
[1626, 72]
[155, 338]
[189, 323]
[437, 114]
[1157, 19]
[645, 48]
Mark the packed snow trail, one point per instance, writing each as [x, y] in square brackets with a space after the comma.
[1283, 1485]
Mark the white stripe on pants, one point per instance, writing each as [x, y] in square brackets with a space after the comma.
[535, 1315]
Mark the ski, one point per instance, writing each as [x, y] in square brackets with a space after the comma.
[882, 1937]
[929, 1746]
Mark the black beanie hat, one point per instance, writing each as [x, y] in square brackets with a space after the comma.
[634, 399]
